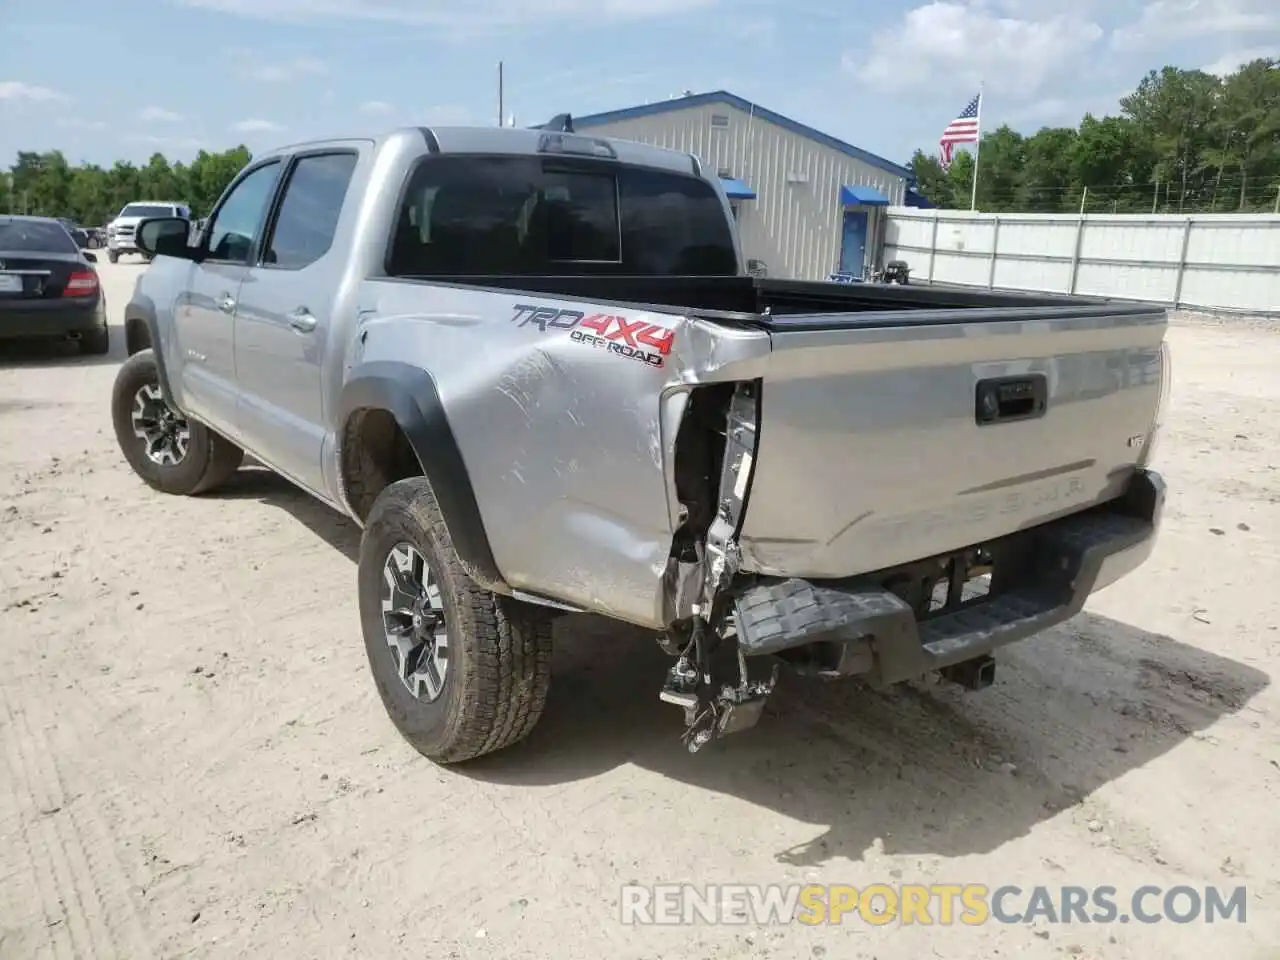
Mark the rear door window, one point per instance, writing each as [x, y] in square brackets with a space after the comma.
[494, 216]
[308, 217]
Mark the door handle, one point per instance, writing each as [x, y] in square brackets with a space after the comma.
[227, 304]
[302, 320]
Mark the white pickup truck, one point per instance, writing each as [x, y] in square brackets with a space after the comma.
[121, 229]
[533, 366]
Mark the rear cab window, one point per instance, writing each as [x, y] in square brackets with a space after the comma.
[529, 216]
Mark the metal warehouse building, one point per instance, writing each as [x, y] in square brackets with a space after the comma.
[807, 204]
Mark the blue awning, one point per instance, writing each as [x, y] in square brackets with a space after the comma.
[862, 196]
[736, 189]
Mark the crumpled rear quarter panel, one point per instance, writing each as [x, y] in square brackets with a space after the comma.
[568, 441]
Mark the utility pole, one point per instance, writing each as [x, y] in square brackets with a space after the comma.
[501, 112]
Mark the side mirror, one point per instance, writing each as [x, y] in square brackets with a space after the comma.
[164, 237]
[90, 256]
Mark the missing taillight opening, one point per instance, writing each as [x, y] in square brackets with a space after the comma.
[80, 284]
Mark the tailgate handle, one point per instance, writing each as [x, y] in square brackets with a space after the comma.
[1004, 399]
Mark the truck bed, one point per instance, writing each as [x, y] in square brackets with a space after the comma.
[893, 423]
[764, 299]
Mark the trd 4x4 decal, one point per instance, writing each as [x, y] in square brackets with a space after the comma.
[634, 339]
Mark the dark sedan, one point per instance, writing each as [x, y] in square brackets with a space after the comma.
[49, 289]
[78, 233]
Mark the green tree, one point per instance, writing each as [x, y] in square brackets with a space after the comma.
[44, 183]
[1000, 165]
[1184, 141]
[931, 179]
[1115, 163]
[1245, 130]
[1173, 110]
[1047, 179]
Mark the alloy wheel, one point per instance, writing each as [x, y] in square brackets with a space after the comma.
[413, 620]
[165, 436]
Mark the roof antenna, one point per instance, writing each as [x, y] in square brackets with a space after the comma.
[561, 122]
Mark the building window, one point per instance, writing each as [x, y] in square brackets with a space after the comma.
[720, 120]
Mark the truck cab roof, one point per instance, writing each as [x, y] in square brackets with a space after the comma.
[512, 141]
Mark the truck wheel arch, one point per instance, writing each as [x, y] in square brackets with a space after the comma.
[142, 331]
[393, 426]
[137, 335]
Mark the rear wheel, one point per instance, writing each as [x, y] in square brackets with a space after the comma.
[96, 342]
[167, 451]
[113, 255]
[461, 671]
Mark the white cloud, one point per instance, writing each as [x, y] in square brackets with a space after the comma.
[267, 67]
[16, 90]
[450, 13]
[1230, 62]
[158, 115]
[256, 126]
[376, 107]
[1164, 20]
[958, 45]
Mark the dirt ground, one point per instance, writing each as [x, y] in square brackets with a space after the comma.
[195, 762]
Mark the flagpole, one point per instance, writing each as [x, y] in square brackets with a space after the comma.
[977, 150]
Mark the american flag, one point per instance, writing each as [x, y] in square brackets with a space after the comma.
[963, 129]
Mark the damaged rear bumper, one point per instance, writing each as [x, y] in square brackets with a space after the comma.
[881, 626]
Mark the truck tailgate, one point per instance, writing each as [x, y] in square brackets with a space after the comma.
[888, 439]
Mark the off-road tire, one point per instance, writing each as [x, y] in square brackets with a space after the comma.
[210, 458]
[499, 651]
[113, 256]
[96, 343]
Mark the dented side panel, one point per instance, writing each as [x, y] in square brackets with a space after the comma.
[566, 415]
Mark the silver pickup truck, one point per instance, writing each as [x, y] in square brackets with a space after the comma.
[533, 367]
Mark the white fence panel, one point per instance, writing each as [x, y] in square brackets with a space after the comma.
[1216, 261]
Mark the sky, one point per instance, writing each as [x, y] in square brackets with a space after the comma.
[108, 80]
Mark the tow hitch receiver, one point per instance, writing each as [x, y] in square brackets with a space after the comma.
[976, 674]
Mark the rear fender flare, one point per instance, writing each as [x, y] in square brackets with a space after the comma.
[409, 394]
